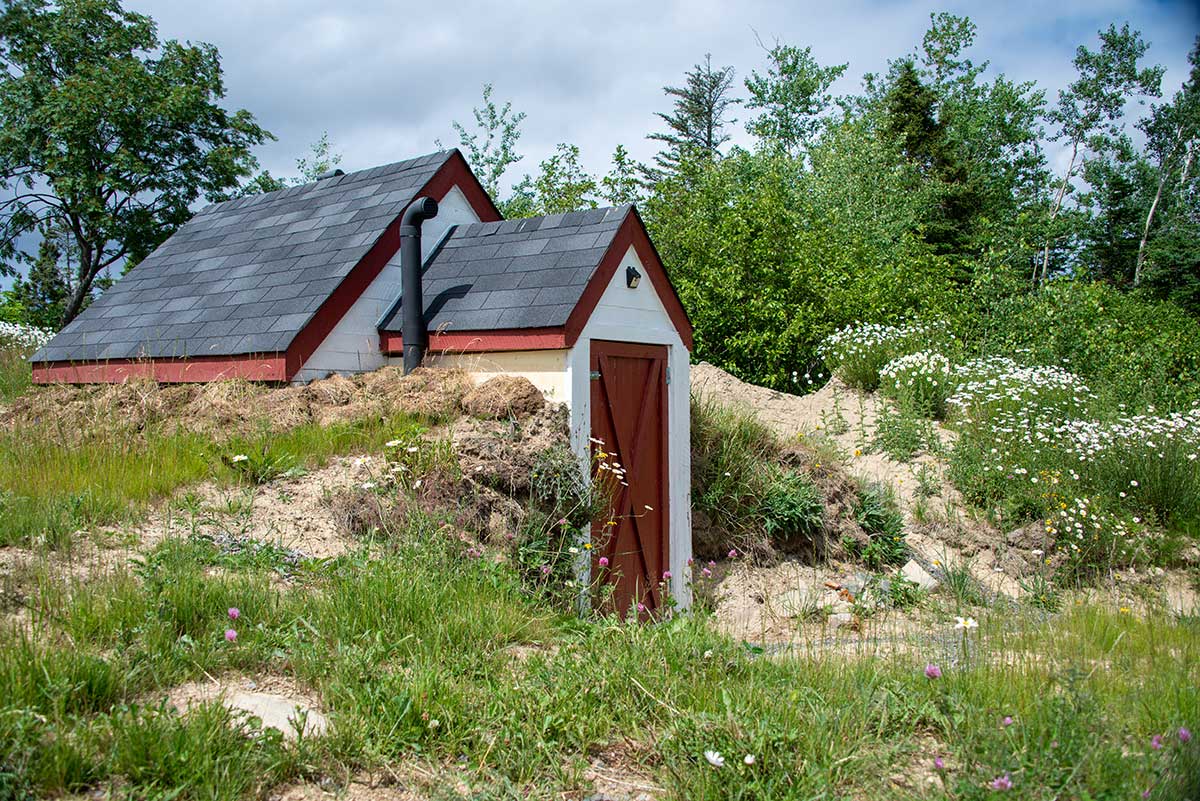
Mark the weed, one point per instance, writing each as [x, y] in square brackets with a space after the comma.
[879, 516]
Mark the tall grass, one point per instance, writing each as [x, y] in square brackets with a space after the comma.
[50, 488]
[413, 656]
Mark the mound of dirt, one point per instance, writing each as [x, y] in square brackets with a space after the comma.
[503, 397]
[503, 455]
[223, 409]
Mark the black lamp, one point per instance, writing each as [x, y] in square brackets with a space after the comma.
[632, 276]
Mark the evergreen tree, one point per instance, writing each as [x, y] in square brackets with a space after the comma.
[697, 123]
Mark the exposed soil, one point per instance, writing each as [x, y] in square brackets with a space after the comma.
[275, 700]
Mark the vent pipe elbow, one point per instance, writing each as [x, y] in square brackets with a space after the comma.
[413, 333]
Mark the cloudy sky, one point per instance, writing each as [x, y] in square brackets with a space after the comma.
[386, 79]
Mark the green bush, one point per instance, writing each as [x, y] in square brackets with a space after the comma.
[791, 507]
[880, 517]
[1131, 348]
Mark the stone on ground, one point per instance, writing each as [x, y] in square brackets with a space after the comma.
[918, 575]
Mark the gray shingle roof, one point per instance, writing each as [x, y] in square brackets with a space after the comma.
[246, 275]
[513, 274]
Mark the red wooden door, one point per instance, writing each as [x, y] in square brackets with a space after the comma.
[629, 431]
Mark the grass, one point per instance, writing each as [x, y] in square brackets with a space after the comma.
[52, 489]
[410, 652]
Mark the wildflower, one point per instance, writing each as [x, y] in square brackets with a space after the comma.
[939, 763]
[230, 635]
[603, 561]
[1133, 483]
[965, 623]
[392, 443]
[434, 723]
[234, 613]
[704, 571]
[749, 759]
[1156, 742]
[1185, 736]
[1001, 783]
[1008, 721]
[733, 553]
[666, 575]
[708, 654]
[545, 570]
[368, 485]
[715, 759]
[417, 484]
[241, 457]
[562, 521]
[641, 608]
[932, 671]
[573, 550]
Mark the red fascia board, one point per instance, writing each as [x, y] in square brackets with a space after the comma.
[252, 367]
[482, 341]
[632, 232]
[454, 172]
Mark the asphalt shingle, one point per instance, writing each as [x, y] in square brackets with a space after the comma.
[246, 275]
[527, 273]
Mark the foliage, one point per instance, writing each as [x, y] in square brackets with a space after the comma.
[83, 121]
[492, 148]
[920, 382]
[880, 518]
[792, 95]
[696, 126]
[1136, 350]
[791, 507]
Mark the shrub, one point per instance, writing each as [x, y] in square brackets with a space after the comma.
[902, 435]
[879, 515]
[920, 382]
[791, 507]
[857, 353]
[1137, 349]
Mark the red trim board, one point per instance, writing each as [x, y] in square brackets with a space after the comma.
[481, 341]
[260, 367]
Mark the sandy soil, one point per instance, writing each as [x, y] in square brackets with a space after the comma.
[292, 513]
[276, 700]
[840, 415]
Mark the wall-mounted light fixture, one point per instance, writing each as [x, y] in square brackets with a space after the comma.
[632, 276]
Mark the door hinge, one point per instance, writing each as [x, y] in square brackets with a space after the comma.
[595, 375]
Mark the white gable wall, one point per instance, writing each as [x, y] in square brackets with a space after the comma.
[638, 315]
[353, 344]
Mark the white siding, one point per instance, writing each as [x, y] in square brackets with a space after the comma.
[638, 315]
[353, 344]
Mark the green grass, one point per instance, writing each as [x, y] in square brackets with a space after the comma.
[52, 488]
[410, 652]
[16, 376]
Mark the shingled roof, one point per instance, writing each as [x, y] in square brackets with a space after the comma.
[513, 274]
[244, 276]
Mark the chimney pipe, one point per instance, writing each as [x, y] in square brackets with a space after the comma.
[413, 333]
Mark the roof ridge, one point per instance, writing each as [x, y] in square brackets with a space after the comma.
[347, 178]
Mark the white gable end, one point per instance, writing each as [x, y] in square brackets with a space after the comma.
[353, 344]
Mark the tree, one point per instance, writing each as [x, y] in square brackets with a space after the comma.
[561, 185]
[492, 149]
[792, 95]
[622, 185]
[1172, 137]
[697, 122]
[42, 294]
[109, 133]
[1090, 109]
[321, 159]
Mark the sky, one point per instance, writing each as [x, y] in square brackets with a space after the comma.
[386, 79]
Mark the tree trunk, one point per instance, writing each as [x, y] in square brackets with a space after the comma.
[89, 268]
[1141, 254]
[1058, 201]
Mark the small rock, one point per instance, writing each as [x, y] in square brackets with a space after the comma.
[841, 608]
[840, 620]
[918, 575]
[277, 712]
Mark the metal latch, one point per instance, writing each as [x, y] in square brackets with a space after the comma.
[595, 375]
